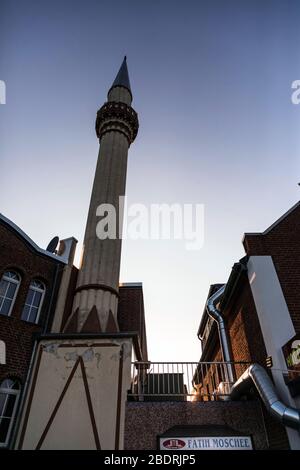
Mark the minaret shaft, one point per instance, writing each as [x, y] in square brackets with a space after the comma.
[101, 258]
[96, 296]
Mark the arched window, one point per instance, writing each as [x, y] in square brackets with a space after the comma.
[9, 396]
[34, 301]
[9, 286]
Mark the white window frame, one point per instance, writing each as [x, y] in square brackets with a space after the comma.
[10, 391]
[17, 280]
[41, 290]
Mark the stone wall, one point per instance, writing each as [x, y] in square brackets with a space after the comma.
[144, 421]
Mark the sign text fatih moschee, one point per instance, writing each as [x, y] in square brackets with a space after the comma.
[206, 443]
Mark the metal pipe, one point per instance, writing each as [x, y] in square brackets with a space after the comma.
[216, 315]
[257, 375]
[53, 297]
[23, 396]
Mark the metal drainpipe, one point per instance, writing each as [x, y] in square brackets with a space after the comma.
[58, 268]
[258, 376]
[21, 403]
[216, 315]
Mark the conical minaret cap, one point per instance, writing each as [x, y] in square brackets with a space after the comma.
[122, 78]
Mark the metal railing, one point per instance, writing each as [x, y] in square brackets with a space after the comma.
[182, 381]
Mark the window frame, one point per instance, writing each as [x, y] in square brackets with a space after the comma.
[5, 277]
[35, 289]
[17, 393]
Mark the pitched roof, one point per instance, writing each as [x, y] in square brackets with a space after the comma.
[32, 245]
[277, 222]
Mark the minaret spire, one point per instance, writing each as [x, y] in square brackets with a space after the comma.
[96, 296]
[122, 78]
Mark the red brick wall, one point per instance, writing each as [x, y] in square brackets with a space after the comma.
[19, 338]
[131, 314]
[17, 334]
[248, 345]
[282, 243]
[243, 328]
[243, 325]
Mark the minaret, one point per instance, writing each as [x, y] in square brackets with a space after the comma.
[96, 295]
[82, 373]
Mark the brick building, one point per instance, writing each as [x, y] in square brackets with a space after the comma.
[77, 373]
[29, 282]
[31, 289]
[260, 305]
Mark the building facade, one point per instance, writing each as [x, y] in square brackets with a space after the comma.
[260, 305]
[74, 367]
[29, 282]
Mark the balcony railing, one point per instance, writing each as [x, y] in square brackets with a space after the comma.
[183, 381]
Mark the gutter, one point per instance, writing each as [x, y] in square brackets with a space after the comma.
[231, 285]
[216, 315]
[256, 375]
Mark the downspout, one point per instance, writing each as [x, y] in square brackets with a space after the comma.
[258, 376]
[53, 296]
[22, 399]
[216, 315]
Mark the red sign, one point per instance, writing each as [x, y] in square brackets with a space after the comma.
[173, 444]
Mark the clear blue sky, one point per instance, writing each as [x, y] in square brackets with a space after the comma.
[212, 84]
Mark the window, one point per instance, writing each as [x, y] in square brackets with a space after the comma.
[9, 286]
[9, 396]
[34, 301]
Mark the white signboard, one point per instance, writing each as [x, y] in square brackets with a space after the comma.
[206, 443]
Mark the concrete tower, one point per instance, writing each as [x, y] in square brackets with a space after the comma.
[96, 297]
